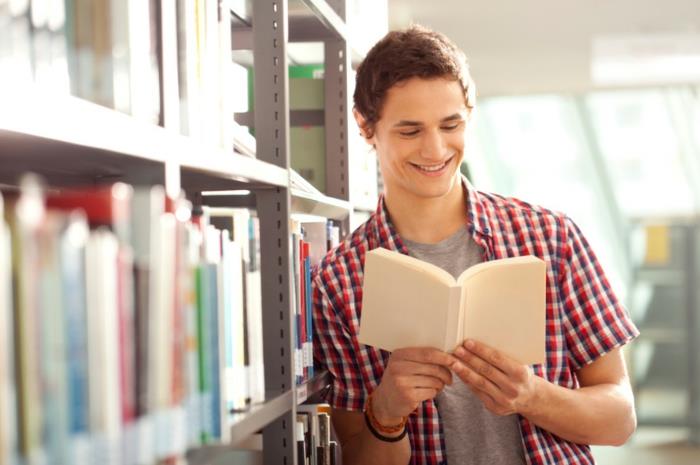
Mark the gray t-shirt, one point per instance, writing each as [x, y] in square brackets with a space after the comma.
[473, 435]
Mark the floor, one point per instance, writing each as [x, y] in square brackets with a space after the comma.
[651, 446]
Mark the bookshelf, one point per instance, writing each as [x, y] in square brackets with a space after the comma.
[665, 368]
[70, 141]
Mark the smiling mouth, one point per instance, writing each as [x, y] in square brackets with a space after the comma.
[432, 168]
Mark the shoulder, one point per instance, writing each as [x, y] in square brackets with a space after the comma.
[513, 216]
[344, 263]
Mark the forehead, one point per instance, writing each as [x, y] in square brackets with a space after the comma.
[420, 99]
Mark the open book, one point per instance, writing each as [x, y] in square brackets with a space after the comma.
[407, 302]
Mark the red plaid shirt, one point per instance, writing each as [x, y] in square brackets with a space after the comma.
[584, 318]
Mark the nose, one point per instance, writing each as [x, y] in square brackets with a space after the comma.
[433, 145]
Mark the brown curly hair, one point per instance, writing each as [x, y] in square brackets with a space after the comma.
[401, 55]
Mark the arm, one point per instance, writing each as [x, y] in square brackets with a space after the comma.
[412, 376]
[600, 412]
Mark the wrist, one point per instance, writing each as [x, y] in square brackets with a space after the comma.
[387, 429]
[537, 393]
[380, 411]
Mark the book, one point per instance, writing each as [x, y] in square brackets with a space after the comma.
[8, 402]
[410, 303]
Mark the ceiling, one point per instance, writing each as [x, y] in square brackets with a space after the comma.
[541, 46]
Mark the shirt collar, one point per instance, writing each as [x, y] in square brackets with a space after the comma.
[479, 225]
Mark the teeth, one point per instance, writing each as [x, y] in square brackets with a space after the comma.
[431, 168]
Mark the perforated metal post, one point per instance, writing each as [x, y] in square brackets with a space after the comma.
[337, 114]
[271, 129]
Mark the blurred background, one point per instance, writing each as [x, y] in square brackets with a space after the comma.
[593, 108]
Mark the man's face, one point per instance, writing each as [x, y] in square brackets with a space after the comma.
[419, 138]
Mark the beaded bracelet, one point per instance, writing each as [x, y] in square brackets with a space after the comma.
[380, 436]
[379, 430]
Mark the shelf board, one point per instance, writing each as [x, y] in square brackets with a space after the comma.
[312, 387]
[322, 13]
[319, 205]
[69, 140]
[218, 169]
[245, 424]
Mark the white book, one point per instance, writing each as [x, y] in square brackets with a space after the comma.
[225, 78]
[171, 100]
[236, 388]
[410, 303]
[101, 256]
[161, 323]
[8, 405]
[143, 68]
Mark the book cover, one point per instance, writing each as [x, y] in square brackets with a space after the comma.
[410, 303]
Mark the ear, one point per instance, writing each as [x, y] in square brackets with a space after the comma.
[361, 123]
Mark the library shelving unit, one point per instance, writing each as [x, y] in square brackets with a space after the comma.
[69, 141]
[665, 362]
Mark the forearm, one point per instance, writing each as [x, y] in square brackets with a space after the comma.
[364, 449]
[602, 414]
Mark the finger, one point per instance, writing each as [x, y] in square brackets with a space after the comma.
[480, 383]
[423, 394]
[488, 371]
[406, 368]
[407, 364]
[428, 355]
[420, 382]
[488, 401]
[493, 356]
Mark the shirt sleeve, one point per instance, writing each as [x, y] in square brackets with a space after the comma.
[334, 347]
[595, 322]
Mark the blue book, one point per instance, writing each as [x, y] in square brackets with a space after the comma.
[214, 322]
[309, 317]
[74, 303]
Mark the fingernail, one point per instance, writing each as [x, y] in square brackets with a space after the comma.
[461, 352]
[469, 344]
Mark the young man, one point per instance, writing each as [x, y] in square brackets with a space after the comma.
[413, 99]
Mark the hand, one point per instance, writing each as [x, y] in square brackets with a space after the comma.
[503, 385]
[412, 376]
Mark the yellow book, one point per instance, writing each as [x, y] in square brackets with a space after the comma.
[407, 302]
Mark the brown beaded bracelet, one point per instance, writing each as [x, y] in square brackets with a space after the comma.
[375, 425]
[380, 436]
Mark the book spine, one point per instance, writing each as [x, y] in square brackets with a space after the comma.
[455, 318]
[8, 401]
[308, 352]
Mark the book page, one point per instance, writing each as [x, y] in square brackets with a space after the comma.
[405, 303]
[504, 307]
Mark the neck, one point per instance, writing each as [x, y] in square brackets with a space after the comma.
[427, 220]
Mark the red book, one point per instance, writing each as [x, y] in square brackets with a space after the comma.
[125, 318]
[108, 205]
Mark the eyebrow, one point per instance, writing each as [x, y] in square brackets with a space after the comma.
[453, 117]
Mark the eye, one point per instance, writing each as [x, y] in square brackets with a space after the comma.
[451, 127]
[409, 133]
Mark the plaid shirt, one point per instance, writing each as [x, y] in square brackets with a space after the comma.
[584, 318]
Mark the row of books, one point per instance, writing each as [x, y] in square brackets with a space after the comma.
[315, 441]
[165, 62]
[311, 239]
[116, 324]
